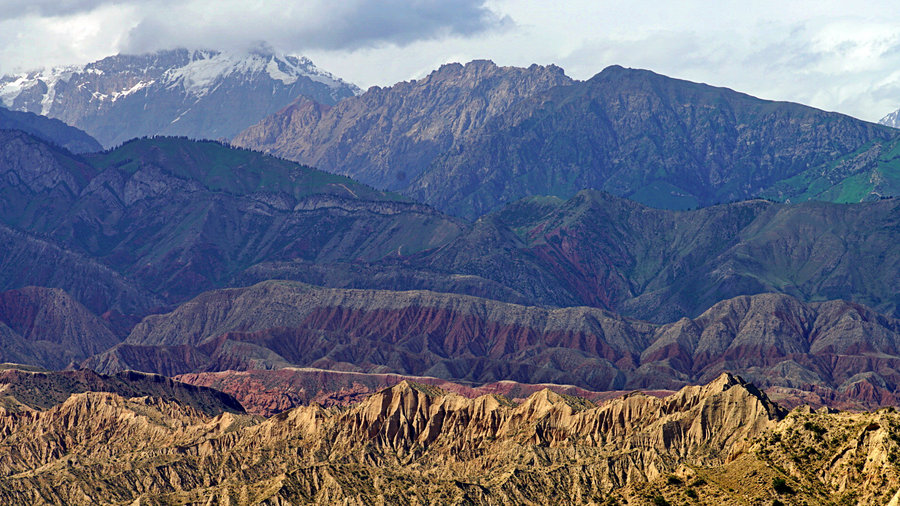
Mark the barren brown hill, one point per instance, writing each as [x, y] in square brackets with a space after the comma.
[47, 327]
[722, 443]
[269, 392]
[835, 353]
[277, 323]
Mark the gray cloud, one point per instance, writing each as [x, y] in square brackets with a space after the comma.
[11, 9]
[316, 24]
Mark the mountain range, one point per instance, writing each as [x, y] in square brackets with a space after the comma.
[470, 273]
[466, 141]
[837, 352]
[154, 223]
[196, 93]
[173, 217]
[724, 442]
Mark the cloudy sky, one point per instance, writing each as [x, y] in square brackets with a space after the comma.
[829, 54]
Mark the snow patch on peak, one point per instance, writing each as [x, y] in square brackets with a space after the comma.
[275, 72]
[891, 120]
[12, 86]
[206, 68]
[303, 66]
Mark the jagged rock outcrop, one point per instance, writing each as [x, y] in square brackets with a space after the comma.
[407, 434]
[387, 136]
[723, 442]
[38, 179]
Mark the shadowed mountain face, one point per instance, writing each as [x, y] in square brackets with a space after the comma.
[23, 391]
[602, 251]
[177, 216]
[724, 441]
[26, 260]
[172, 218]
[40, 180]
[775, 339]
[51, 130]
[661, 141]
[46, 327]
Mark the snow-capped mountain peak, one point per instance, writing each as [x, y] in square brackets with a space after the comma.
[206, 68]
[177, 91]
[891, 120]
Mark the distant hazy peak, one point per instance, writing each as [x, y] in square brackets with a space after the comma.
[476, 69]
[892, 120]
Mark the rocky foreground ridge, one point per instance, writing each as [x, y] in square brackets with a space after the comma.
[720, 443]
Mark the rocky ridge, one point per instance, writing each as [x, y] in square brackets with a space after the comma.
[269, 392]
[22, 390]
[834, 352]
[50, 130]
[179, 215]
[470, 139]
[386, 137]
[665, 142]
[173, 217]
[720, 443]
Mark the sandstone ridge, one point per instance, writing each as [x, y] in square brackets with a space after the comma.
[720, 443]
